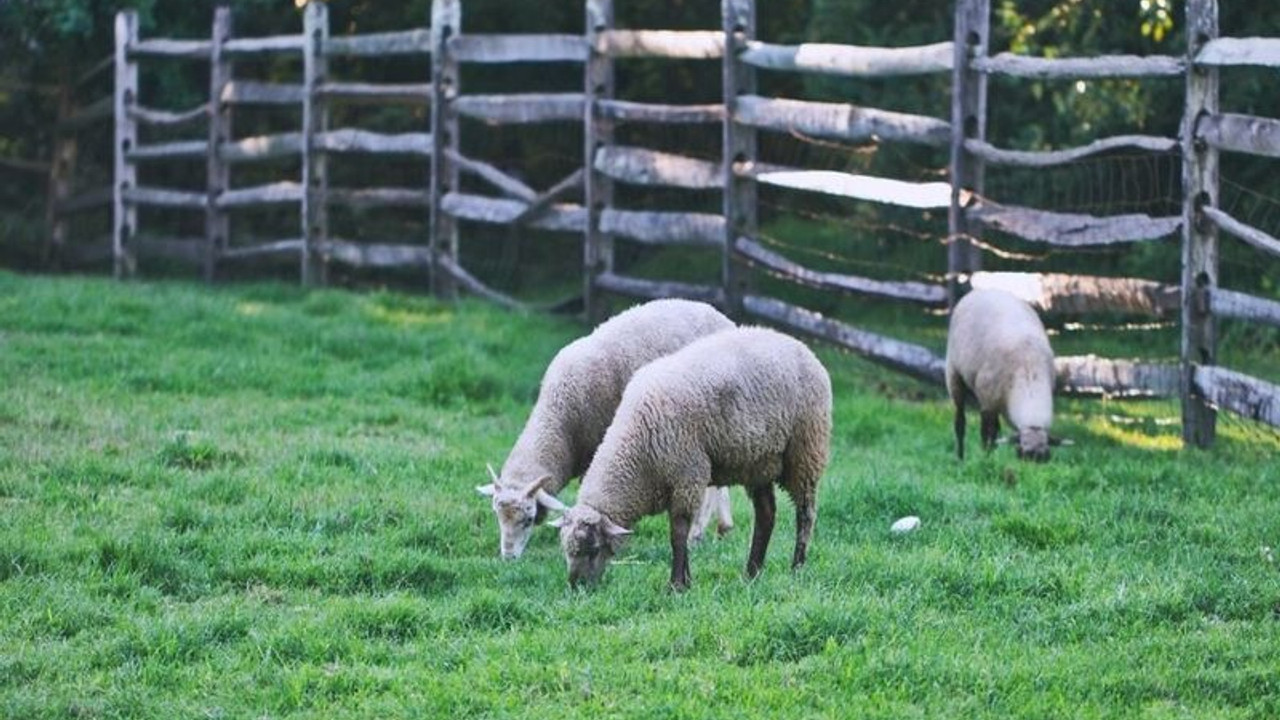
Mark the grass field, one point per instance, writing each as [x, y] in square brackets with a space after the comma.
[255, 501]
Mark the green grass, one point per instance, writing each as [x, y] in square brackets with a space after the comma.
[257, 502]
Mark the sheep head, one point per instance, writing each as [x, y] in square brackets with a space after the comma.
[1033, 444]
[516, 506]
[589, 540]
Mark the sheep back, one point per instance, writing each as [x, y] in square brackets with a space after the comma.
[997, 347]
[745, 406]
[583, 384]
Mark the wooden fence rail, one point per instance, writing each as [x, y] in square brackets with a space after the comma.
[583, 202]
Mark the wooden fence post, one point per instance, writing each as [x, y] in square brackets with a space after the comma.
[446, 23]
[62, 172]
[740, 147]
[217, 171]
[315, 177]
[124, 215]
[1199, 235]
[597, 248]
[968, 120]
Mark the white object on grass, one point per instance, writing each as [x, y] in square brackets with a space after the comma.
[905, 525]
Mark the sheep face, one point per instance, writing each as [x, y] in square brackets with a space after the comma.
[589, 541]
[516, 508]
[1033, 444]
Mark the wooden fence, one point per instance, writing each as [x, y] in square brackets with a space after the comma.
[731, 234]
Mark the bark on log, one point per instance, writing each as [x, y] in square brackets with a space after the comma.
[169, 151]
[1089, 375]
[1070, 229]
[408, 93]
[1240, 51]
[912, 291]
[680, 44]
[277, 247]
[914, 360]
[1247, 233]
[1240, 133]
[849, 60]
[262, 147]
[566, 218]
[265, 45]
[1241, 394]
[280, 192]
[375, 255]
[151, 116]
[840, 121]
[1242, 306]
[247, 92]
[626, 111]
[519, 109]
[1048, 158]
[650, 167]
[159, 197]
[366, 198]
[1083, 294]
[857, 187]
[364, 141]
[1107, 66]
[473, 285]
[404, 42]
[664, 228]
[518, 48]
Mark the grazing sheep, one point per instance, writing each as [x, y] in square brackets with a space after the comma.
[997, 350]
[580, 391]
[748, 406]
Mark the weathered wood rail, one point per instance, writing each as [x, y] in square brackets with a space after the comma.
[583, 203]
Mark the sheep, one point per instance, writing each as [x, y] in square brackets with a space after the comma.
[580, 391]
[747, 406]
[997, 350]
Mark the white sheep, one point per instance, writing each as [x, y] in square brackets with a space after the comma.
[747, 406]
[997, 350]
[579, 393]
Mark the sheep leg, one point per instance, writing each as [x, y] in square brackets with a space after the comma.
[724, 512]
[959, 426]
[804, 529]
[766, 508]
[990, 428]
[680, 523]
[705, 511]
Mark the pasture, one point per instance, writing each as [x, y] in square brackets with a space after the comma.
[257, 501]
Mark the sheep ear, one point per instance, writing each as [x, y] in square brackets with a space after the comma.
[549, 501]
[488, 490]
[1055, 441]
[535, 487]
[557, 522]
[492, 474]
[613, 529]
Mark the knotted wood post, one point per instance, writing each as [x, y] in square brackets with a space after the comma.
[968, 121]
[597, 248]
[315, 121]
[124, 214]
[740, 149]
[217, 170]
[1199, 235]
[446, 23]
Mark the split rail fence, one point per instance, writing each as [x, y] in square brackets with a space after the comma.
[732, 235]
